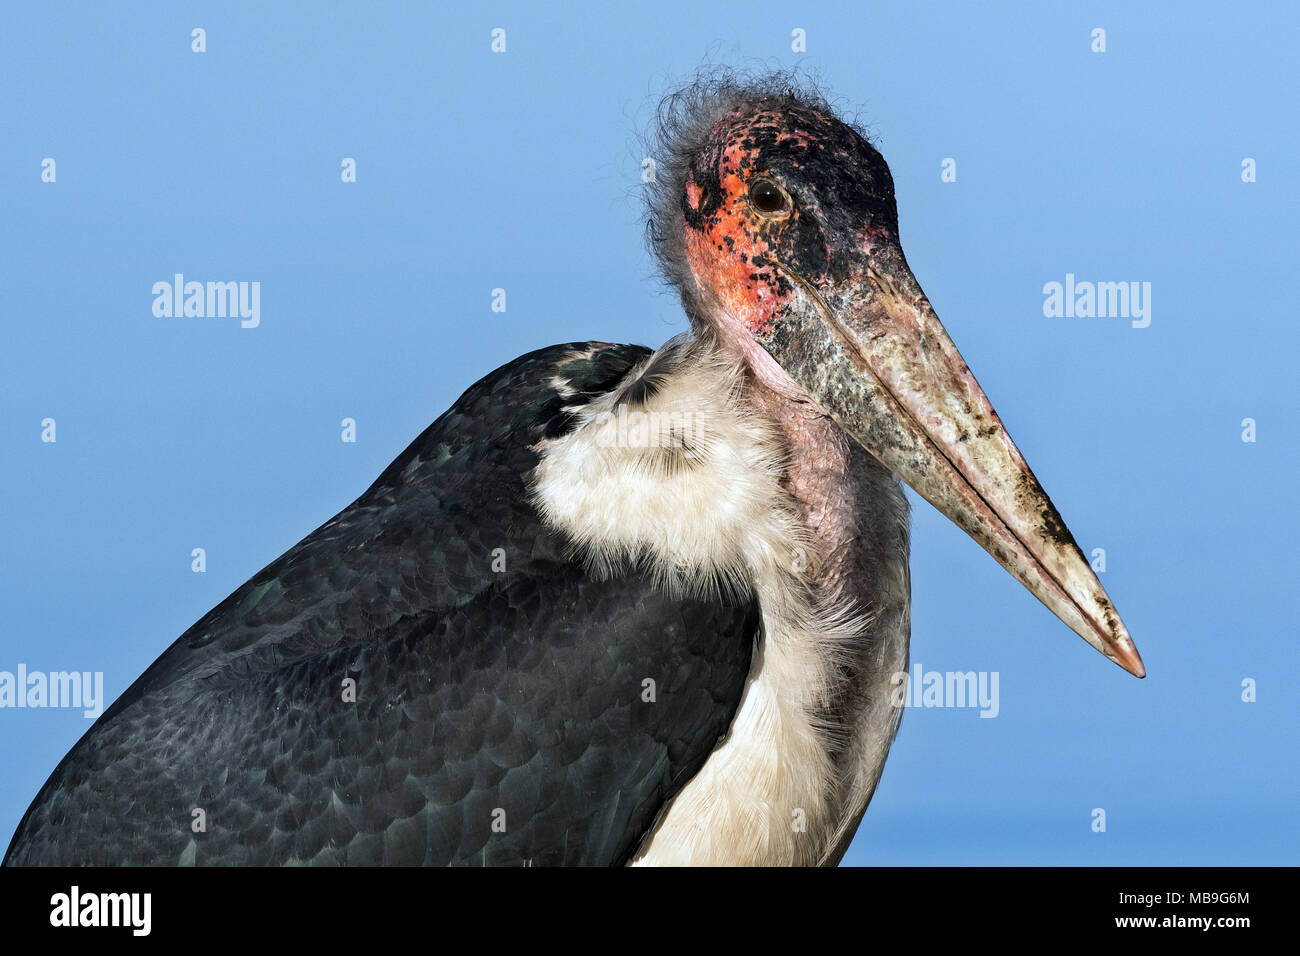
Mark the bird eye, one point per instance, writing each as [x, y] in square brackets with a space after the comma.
[768, 198]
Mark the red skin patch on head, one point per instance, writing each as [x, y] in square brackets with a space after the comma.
[723, 250]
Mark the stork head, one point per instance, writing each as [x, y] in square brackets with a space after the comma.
[777, 221]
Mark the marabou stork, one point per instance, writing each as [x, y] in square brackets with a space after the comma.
[614, 606]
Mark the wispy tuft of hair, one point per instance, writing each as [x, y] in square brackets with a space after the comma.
[681, 128]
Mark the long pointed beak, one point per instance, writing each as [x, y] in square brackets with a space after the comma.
[873, 354]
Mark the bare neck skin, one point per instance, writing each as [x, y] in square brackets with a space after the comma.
[852, 505]
[819, 472]
[857, 517]
[819, 478]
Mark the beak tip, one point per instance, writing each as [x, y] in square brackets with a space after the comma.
[1126, 656]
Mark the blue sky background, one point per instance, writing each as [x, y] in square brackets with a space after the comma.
[521, 170]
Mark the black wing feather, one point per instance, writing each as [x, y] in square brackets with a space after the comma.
[499, 715]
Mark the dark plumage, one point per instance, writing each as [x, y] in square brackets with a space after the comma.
[458, 710]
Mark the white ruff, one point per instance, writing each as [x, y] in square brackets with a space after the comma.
[703, 518]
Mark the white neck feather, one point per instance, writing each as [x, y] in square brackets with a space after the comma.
[721, 486]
